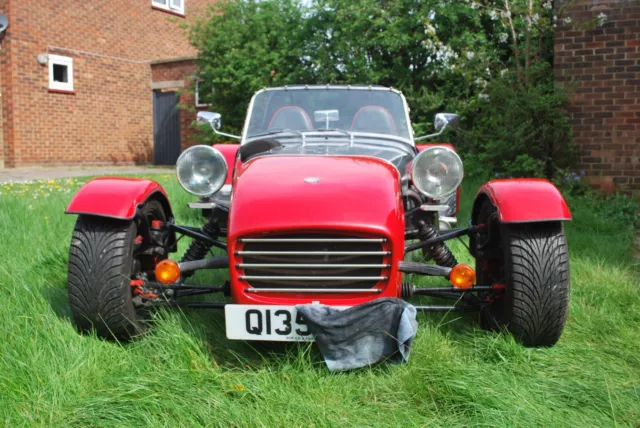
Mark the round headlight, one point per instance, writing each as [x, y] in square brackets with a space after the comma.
[437, 172]
[201, 170]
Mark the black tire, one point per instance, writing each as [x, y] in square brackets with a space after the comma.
[535, 270]
[537, 280]
[101, 266]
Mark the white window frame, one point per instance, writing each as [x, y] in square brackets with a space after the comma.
[197, 92]
[61, 60]
[176, 6]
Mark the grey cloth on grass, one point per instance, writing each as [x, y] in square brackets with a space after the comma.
[380, 330]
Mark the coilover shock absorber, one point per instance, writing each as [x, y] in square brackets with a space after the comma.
[198, 249]
[439, 251]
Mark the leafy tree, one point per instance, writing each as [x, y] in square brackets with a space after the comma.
[485, 59]
[424, 48]
[518, 130]
[248, 45]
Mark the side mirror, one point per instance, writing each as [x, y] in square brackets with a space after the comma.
[215, 120]
[441, 122]
[446, 120]
[212, 118]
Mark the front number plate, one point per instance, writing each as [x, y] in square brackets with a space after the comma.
[265, 322]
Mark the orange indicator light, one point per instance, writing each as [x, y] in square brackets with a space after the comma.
[167, 272]
[462, 276]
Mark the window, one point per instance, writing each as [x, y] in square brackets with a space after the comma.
[170, 5]
[199, 101]
[60, 73]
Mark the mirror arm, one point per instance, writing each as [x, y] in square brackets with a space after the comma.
[424, 137]
[224, 134]
[213, 119]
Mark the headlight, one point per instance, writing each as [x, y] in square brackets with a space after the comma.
[201, 170]
[437, 172]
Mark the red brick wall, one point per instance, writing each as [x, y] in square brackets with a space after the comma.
[5, 80]
[109, 117]
[169, 71]
[3, 9]
[604, 61]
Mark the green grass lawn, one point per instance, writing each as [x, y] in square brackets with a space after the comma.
[186, 373]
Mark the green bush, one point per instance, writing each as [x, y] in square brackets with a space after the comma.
[488, 60]
[518, 131]
[619, 209]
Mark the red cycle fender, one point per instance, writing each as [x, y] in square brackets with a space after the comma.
[523, 200]
[229, 151]
[116, 197]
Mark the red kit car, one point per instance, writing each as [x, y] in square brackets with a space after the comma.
[330, 199]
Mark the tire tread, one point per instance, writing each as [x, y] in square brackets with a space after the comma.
[537, 270]
[99, 272]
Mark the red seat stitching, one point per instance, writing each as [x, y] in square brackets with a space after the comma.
[306, 116]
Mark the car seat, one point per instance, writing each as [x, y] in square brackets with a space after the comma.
[374, 119]
[291, 117]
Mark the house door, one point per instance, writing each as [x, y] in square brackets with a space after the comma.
[1, 139]
[166, 128]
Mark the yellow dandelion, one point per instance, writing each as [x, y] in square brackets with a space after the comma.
[239, 387]
[46, 218]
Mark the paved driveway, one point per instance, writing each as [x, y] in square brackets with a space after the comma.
[49, 173]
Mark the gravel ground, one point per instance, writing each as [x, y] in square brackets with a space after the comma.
[50, 173]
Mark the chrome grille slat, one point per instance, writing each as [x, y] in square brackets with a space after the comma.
[312, 253]
[313, 290]
[322, 261]
[313, 278]
[314, 240]
[310, 265]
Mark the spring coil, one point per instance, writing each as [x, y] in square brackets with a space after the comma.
[407, 290]
[439, 252]
[198, 249]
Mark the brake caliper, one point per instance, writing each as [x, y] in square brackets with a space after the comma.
[139, 289]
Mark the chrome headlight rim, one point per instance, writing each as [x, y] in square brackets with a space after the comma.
[216, 153]
[426, 153]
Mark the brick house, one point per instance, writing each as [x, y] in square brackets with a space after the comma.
[605, 108]
[79, 80]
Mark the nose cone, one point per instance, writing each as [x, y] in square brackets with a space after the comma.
[289, 193]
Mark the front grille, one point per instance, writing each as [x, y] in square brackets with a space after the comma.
[315, 261]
